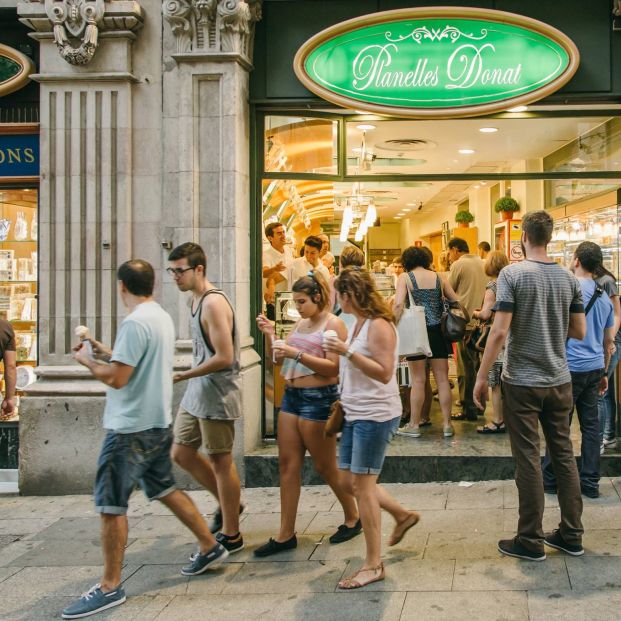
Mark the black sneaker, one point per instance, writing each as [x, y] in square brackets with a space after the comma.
[555, 540]
[274, 547]
[513, 547]
[345, 533]
[233, 543]
[201, 562]
[216, 522]
[589, 492]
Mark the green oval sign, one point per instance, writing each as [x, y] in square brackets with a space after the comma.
[15, 68]
[441, 63]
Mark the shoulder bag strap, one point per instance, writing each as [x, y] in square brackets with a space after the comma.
[598, 291]
[408, 285]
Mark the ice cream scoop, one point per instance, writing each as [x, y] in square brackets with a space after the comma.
[84, 335]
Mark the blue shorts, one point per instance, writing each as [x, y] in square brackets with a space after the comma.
[310, 403]
[363, 445]
[130, 459]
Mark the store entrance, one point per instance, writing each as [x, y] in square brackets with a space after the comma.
[385, 184]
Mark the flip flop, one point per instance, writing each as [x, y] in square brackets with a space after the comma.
[353, 582]
[400, 529]
[497, 428]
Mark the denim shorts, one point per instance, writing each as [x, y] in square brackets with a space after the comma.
[130, 459]
[310, 403]
[363, 445]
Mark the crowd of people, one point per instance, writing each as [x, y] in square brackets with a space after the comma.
[550, 346]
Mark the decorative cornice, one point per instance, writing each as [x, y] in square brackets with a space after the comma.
[77, 25]
[212, 27]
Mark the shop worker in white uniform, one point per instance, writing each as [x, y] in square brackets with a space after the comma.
[136, 449]
[212, 400]
[277, 260]
[310, 261]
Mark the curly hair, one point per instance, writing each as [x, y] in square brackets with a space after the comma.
[360, 287]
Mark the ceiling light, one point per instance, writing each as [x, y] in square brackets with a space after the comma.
[476, 187]
[518, 109]
[488, 130]
[406, 210]
[365, 127]
[466, 151]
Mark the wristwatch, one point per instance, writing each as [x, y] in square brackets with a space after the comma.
[349, 353]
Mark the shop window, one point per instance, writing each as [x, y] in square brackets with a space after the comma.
[299, 144]
[18, 279]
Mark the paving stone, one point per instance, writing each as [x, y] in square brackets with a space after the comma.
[411, 546]
[467, 546]
[357, 606]
[153, 526]
[7, 572]
[46, 608]
[508, 574]
[588, 572]
[269, 523]
[214, 581]
[40, 507]
[157, 580]
[76, 528]
[460, 606]
[482, 495]
[511, 501]
[287, 577]
[406, 574]
[62, 552]
[420, 497]
[6, 540]
[600, 517]
[601, 543]
[567, 605]
[462, 520]
[551, 519]
[25, 526]
[312, 498]
[15, 550]
[161, 551]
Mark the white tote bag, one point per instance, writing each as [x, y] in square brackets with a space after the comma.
[412, 329]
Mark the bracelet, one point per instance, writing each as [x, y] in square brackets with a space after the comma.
[349, 353]
[298, 356]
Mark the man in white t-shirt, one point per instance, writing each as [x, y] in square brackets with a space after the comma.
[325, 255]
[309, 262]
[277, 260]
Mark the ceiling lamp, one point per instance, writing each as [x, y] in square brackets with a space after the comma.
[488, 130]
[371, 215]
[365, 127]
[348, 218]
[466, 151]
[358, 236]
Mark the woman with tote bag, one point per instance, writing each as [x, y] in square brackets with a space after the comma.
[427, 290]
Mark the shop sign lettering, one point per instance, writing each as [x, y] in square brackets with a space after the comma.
[15, 68]
[19, 155]
[437, 62]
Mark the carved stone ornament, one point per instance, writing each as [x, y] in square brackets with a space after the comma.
[76, 20]
[213, 25]
[77, 25]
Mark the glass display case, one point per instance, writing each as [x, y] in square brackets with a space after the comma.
[18, 280]
[598, 225]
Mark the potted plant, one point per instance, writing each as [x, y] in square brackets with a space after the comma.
[464, 218]
[506, 206]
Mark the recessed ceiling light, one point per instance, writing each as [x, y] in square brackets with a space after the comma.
[411, 204]
[476, 187]
[406, 210]
[365, 126]
[518, 109]
[466, 151]
[488, 130]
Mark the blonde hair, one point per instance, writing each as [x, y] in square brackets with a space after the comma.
[495, 261]
[359, 285]
[351, 255]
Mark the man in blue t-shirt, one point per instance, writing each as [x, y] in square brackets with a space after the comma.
[136, 449]
[588, 361]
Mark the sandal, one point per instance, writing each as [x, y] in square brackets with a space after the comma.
[400, 529]
[425, 423]
[354, 582]
[492, 427]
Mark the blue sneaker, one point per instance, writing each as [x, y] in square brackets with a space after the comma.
[201, 562]
[94, 601]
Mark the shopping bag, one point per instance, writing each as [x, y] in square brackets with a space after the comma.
[412, 330]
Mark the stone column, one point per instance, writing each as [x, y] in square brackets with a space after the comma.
[207, 58]
[86, 224]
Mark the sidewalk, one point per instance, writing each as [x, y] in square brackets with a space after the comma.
[446, 568]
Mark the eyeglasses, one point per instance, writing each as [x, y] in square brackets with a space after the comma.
[176, 272]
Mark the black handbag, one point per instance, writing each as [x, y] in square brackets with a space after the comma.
[478, 335]
[454, 321]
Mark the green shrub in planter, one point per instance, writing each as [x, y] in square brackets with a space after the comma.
[506, 203]
[464, 217]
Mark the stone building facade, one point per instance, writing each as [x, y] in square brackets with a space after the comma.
[144, 145]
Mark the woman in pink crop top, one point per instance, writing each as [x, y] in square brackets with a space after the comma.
[311, 377]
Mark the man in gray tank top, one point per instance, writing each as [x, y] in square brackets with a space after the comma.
[212, 400]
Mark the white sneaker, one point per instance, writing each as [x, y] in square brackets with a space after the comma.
[411, 432]
[610, 443]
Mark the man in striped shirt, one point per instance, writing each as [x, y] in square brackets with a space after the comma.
[538, 306]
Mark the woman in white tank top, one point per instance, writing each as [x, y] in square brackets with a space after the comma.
[370, 398]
